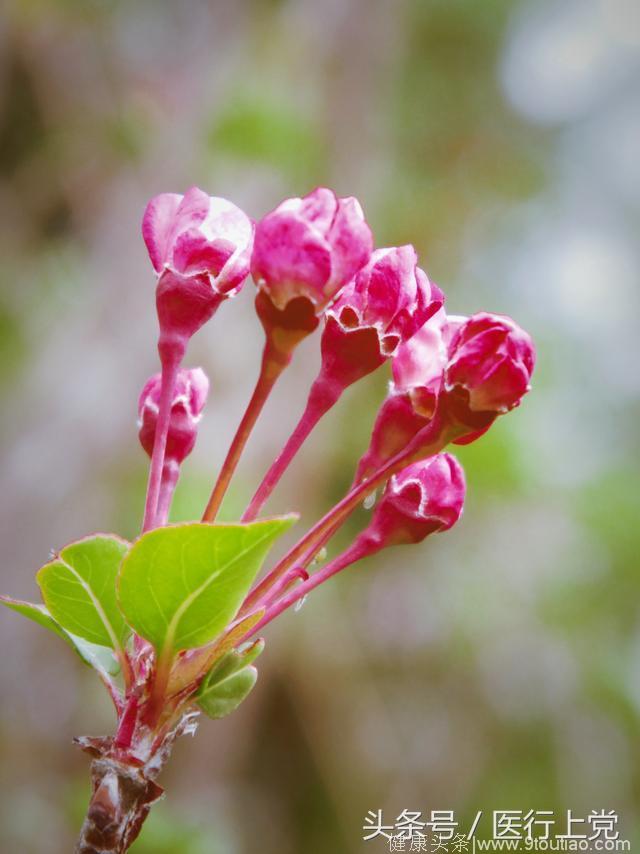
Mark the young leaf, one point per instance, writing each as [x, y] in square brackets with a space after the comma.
[37, 613]
[229, 682]
[98, 657]
[195, 663]
[180, 585]
[79, 589]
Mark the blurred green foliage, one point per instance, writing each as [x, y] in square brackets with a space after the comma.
[261, 130]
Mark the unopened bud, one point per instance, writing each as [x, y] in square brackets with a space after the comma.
[491, 360]
[425, 497]
[388, 301]
[189, 398]
[310, 248]
[200, 248]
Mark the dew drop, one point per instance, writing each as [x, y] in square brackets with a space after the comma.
[370, 500]
[300, 603]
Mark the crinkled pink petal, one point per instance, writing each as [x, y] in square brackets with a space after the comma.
[474, 358]
[290, 259]
[389, 283]
[228, 221]
[198, 390]
[310, 248]
[431, 489]
[189, 397]
[233, 275]
[194, 253]
[423, 498]
[387, 298]
[157, 227]
[490, 364]
[319, 208]
[150, 394]
[193, 210]
[502, 389]
[421, 360]
[352, 242]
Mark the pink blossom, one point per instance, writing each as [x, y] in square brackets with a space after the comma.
[387, 302]
[397, 422]
[491, 360]
[310, 247]
[199, 235]
[418, 366]
[423, 498]
[467, 370]
[189, 398]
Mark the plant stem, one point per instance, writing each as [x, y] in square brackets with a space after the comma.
[283, 584]
[362, 547]
[117, 809]
[170, 365]
[170, 475]
[273, 363]
[323, 395]
[123, 785]
[427, 442]
[159, 686]
[127, 724]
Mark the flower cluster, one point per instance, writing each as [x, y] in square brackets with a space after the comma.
[177, 612]
[313, 260]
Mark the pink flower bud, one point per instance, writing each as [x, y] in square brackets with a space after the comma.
[395, 426]
[199, 235]
[388, 301]
[189, 398]
[491, 360]
[310, 248]
[418, 366]
[423, 498]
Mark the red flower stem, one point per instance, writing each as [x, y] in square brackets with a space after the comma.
[425, 444]
[273, 364]
[170, 367]
[362, 547]
[281, 586]
[170, 475]
[323, 395]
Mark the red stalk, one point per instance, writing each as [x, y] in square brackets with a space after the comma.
[425, 444]
[170, 366]
[359, 549]
[170, 474]
[273, 363]
[323, 395]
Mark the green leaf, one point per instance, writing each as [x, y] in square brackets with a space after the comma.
[192, 667]
[37, 613]
[229, 682]
[180, 585]
[96, 656]
[79, 590]
[99, 657]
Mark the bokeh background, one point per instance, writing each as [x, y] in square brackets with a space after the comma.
[494, 667]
